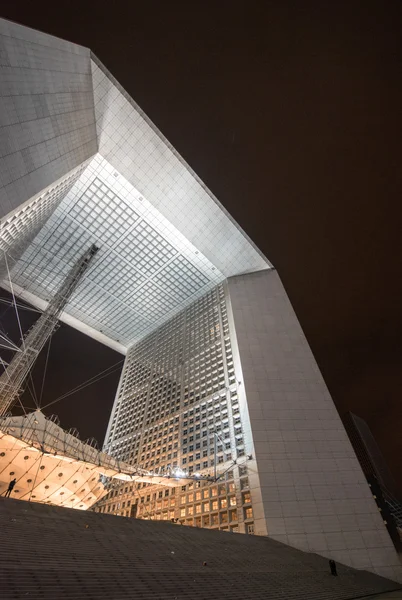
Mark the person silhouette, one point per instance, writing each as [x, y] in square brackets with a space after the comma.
[10, 487]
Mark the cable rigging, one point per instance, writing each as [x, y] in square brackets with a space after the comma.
[88, 382]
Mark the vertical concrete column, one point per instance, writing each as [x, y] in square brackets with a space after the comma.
[309, 488]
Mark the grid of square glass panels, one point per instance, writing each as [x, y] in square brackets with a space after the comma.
[101, 211]
[47, 261]
[138, 269]
[39, 272]
[181, 278]
[146, 248]
[104, 312]
[64, 239]
[124, 280]
[152, 301]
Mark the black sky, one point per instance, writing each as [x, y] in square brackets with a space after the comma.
[291, 114]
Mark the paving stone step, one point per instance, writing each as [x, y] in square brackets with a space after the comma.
[51, 552]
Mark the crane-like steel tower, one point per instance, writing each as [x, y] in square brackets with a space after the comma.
[13, 377]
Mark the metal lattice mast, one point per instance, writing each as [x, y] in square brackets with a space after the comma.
[12, 379]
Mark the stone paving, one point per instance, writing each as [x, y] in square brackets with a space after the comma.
[49, 552]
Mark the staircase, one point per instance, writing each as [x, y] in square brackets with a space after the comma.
[49, 552]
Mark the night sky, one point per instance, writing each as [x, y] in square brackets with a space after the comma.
[291, 114]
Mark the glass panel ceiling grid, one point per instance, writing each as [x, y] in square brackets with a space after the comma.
[181, 278]
[101, 211]
[39, 273]
[144, 246]
[144, 272]
[103, 273]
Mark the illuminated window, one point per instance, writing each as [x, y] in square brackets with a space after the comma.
[183, 348]
[248, 512]
[214, 520]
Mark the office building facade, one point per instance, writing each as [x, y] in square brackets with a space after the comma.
[178, 407]
[218, 373]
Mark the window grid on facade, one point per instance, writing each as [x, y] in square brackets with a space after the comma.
[178, 404]
[144, 273]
